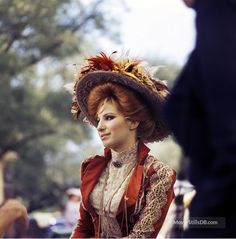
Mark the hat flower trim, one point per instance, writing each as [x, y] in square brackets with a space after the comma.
[138, 70]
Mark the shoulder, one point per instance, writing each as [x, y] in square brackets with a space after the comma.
[85, 164]
[159, 170]
[88, 160]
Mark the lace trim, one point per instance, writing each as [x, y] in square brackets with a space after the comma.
[109, 190]
[125, 156]
[110, 228]
[156, 198]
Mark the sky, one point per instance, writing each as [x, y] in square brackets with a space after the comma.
[157, 28]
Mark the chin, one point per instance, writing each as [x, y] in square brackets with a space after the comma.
[109, 145]
[106, 144]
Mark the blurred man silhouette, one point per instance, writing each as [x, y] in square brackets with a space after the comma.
[201, 113]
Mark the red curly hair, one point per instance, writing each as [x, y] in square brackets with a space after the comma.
[129, 104]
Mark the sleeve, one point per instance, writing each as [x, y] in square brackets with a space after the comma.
[159, 194]
[84, 227]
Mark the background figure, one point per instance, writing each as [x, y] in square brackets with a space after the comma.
[177, 218]
[71, 212]
[13, 213]
[202, 115]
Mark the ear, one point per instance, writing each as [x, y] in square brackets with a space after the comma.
[133, 124]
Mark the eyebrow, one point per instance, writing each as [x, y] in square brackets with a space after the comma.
[109, 113]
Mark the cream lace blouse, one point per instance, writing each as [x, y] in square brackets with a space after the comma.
[113, 182]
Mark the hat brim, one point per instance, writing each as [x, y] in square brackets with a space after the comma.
[93, 79]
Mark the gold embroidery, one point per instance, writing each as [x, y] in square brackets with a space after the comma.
[156, 198]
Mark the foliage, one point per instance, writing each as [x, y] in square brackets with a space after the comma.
[36, 37]
[33, 29]
[39, 43]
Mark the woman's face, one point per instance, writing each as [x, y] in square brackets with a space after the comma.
[115, 131]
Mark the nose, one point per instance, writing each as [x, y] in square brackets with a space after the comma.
[100, 126]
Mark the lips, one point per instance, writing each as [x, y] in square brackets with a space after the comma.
[102, 136]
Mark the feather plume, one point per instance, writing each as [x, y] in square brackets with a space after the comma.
[100, 62]
[139, 71]
[151, 70]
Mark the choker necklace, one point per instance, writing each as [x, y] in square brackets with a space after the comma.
[117, 164]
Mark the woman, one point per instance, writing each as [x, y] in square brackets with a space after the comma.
[126, 192]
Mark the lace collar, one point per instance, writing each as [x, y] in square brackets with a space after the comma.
[124, 157]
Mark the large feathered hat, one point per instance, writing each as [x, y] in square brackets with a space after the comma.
[131, 73]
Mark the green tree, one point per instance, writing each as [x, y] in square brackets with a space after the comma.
[35, 120]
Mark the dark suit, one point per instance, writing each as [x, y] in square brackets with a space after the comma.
[201, 112]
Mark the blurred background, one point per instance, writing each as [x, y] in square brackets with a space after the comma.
[42, 42]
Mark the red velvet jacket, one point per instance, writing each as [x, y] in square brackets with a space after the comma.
[146, 199]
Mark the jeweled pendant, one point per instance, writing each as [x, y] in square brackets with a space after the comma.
[117, 164]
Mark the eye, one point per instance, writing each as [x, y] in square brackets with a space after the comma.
[109, 117]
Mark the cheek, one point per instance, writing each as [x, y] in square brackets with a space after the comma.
[119, 128]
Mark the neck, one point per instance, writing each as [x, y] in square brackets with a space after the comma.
[126, 156]
[126, 147]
